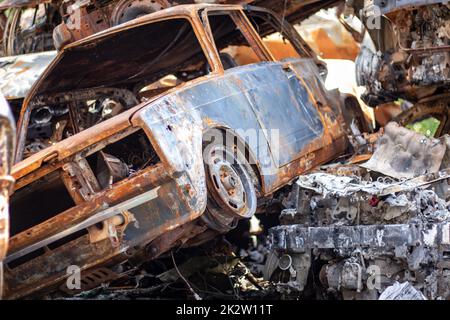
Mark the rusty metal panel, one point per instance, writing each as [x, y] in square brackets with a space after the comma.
[123, 190]
[149, 216]
[166, 212]
[403, 153]
[30, 277]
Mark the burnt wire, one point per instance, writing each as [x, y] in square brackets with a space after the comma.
[196, 296]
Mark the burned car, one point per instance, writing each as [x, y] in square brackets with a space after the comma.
[409, 55]
[149, 136]
[380, 229]
[34, 26]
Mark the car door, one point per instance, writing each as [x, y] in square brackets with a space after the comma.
[280, 102]
[285, 107]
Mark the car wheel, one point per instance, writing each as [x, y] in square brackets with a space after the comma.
[231, 191]
[129, 10]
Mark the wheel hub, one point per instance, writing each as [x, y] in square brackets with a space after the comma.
[230, 186]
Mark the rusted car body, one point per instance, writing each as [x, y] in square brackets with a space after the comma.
[415, 46]
[135, 184]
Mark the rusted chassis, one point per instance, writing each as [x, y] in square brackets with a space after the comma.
[159, 206]
[7, 142]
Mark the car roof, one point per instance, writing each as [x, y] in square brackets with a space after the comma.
[178, 10]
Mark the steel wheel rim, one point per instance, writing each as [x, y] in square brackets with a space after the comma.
[231, 182]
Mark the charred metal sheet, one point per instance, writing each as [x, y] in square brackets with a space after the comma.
[297, 238]
[402, 153]
[18, 73]
[177, 133]
[344, 186]
[329, 199]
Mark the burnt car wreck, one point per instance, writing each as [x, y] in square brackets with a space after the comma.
[145, 146]
[7, 142]
[409, 58]
[165, 131]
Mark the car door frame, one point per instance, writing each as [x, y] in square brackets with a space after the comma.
[263, 53]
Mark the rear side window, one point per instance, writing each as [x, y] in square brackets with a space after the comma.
[234, 48]
[280, 46]
[282, 40]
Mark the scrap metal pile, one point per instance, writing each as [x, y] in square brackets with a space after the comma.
[197, 149]
[362, 228]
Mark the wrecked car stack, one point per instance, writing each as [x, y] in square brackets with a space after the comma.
[148, 132]
[361, 232]
[145, 147]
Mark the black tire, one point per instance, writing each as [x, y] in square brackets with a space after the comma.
[134, 12]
